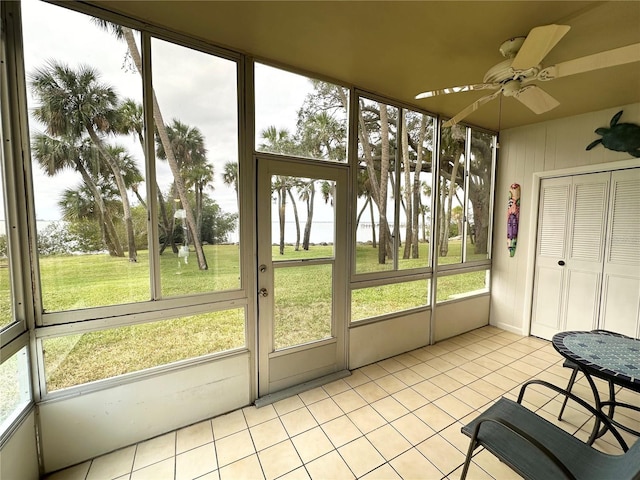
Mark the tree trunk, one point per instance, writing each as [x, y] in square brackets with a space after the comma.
[117, 175]
[110, 236]
[307, 227]
[373, 225]
[383, 248]
[295, 216]
[415, 252]
[408, 197]
[171, 160]
[282, 207]
[444, 246]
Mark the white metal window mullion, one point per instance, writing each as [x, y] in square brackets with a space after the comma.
[465, 182]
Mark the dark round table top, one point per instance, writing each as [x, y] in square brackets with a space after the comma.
[610, 354]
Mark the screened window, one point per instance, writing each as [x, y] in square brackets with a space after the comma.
[15, 389]
[465, 186]
[6, 304]
[85, 357]
[369, 302]
[393, 188]
[197, 169]
[108, 235]
[300, 116]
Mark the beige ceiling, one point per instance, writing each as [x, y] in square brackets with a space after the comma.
[398, 49]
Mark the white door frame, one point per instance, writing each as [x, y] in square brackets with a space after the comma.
[533, 222]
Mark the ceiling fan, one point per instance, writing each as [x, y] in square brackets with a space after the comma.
[513, 77]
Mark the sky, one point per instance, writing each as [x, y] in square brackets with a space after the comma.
[197, 88]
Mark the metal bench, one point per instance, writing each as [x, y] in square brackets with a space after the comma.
[537, 449]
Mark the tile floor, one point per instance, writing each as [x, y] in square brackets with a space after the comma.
[396, 419]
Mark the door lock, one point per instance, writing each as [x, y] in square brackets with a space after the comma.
[263, 293]
[263, 268]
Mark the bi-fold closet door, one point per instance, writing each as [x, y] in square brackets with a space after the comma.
[587, 270]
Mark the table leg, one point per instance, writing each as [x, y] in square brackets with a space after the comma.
[595, 433]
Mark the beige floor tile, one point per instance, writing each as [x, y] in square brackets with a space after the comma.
[288, 404]
[413, 429]
[475, 472]
[349, 401]
[472, 398]
[475, 369]
[462, 376]
[356, 378]
[312, 444]
[408, 360]
[422, 354]
[341, 430]
[487, 389]
[196, 462]
[77, 472]
[234, 447]
[160, 470]
[279, 459]
[434, 417]
[389, 408]
[112, 465]
[441, 453]
[360, 456]
[429, 390]
[298, 421]
[336, 387]
[366, 419]
[413, 465]
[299, 473]
[408, 376]
[325, 410]
[155, 450]
[391, 384]
[454, 407]
[445, 382]
[193, 436]
[455, 437]
[314, 395]
[255, 415]
[329, 466]
[441, 365]
[384, 472]
[248, 468]
[371, 391]
[425, 371]
[374, 371]
[391, 365]
[267, 434]
[490, 464]
[388, 441]
[410, 399]
[229, 424]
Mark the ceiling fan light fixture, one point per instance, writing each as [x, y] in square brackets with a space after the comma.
[509, 48]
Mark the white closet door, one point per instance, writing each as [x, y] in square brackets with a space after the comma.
[550, 249]
[570, 253]
[621, 284]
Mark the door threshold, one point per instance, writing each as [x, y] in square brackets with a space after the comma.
[303, 387]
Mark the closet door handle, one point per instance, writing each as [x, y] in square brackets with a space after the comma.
[561, 263]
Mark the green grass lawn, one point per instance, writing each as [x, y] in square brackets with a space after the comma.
[302, 306]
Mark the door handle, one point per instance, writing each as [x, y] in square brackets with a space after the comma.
[263, 293]
[561, 263]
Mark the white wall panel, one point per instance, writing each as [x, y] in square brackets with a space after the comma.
[132, 412]
[371, 342]
[460, 316]
[19, 456]
[544, 147]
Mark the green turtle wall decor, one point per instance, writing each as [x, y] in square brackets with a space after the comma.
[621, 137]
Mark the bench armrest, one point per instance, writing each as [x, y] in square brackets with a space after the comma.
[601, 416]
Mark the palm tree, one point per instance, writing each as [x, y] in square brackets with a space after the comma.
[230, 178]
[187, 144]
[131, 120]
[126, 34]
[73, 102]
[56, 154]
[307, 193]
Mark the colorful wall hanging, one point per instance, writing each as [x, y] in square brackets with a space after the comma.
[513, 218]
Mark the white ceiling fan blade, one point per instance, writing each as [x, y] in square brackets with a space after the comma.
[461, 88]
[470, 109]
[536, 99]
[538, 43]
[609, 58]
